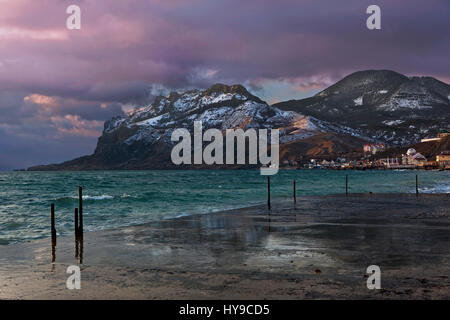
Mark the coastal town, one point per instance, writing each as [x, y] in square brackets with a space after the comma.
[374, 157]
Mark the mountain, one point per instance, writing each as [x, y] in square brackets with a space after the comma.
[142, 138]
[383, 105]
[364, 106]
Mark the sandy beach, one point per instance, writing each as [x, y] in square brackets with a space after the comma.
[318, 249]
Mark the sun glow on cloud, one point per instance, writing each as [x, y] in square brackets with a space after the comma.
[39, 99]
[12, 33]
[44, 103]
[74, 125]
[68, 123]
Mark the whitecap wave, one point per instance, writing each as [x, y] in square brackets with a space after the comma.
[125, 195]
[437, 188]
[182, 214]
[100, 197]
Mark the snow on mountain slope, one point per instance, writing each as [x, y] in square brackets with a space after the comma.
[221, 108]
[381, 104]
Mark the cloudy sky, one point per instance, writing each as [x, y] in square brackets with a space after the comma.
[58, 86]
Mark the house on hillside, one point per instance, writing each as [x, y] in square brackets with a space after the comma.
[443, 159]
[442, 134]
[373, 148]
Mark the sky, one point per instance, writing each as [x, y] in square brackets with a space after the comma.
[58, 86]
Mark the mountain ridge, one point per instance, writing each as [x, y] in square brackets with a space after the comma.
[385, 105]
[327, 124]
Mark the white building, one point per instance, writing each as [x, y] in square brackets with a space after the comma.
[412, 157]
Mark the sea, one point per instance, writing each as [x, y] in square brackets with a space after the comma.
[115, 199]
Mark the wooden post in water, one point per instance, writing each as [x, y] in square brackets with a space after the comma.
[417, 185]
[346, 184]
[76, 224]
[80, 211]
[268, 192]
[295, 196]
[52, 222]
[76, 233]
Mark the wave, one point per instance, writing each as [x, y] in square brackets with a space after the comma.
[437, 188]
[87, 197]
[100, 197]
[182, 214]
[125, 195]
[96, 197]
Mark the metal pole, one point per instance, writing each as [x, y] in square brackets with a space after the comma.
[417, 185]
[346, 184]
[295, 196]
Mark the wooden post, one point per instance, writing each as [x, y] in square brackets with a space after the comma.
[76, 247]
[52, 222]
[80, 211]
[53, 255]
[295, 196]
[417, 185]
[80, 253]
[346, 184]
[76, 223]
[268, 192]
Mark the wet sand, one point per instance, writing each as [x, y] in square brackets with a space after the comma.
[319, 249]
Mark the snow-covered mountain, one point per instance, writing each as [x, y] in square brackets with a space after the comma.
[221, 107]
[383, 105]
[142, 138]
[364, 106]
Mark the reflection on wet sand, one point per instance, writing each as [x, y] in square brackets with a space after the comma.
[79, 249]
[53, 253]
[333, 237]
[357, 233]
[53, 256]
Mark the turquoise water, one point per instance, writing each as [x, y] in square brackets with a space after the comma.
[121, 198]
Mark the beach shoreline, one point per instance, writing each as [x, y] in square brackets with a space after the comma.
[318, 248]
